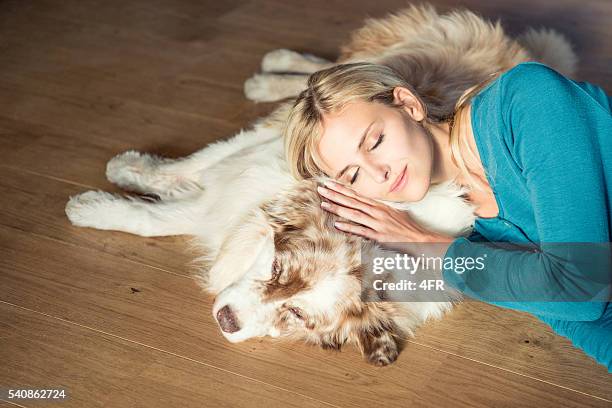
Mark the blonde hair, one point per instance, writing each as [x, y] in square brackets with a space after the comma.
[328, 91]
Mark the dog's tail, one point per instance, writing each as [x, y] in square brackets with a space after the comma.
[551, 48]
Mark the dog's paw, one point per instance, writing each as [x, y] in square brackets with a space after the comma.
[127, 168]
[383, 351]
[91, 208]
[260, 88]
[281, 60]
[140, 172]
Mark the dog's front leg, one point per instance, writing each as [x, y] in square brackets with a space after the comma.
[106, 211]
[182, 177]
[148, 174]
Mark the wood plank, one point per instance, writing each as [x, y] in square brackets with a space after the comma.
[475, 330]
[502, 333]
[103, 111]
[106, 57]
[6, 404]
[205, 23]
[170, 313]
[93, 290]
[84, 80]
[517, 342]
[82, 160]
[39, 209]
[112, 48]
[41, 352]
[101, 370]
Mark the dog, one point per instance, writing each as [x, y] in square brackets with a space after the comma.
[270, 254]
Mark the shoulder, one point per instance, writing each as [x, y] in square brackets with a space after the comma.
[533, 79]
[534, 82]
[532, 89]
[527, 89]
[527, 71]
[533, 94]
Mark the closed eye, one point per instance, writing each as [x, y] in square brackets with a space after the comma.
[378, 142]
[354, 176]
[380, 139]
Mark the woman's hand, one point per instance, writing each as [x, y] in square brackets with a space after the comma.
[378, 221]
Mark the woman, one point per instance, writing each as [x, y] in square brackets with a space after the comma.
[533, 147]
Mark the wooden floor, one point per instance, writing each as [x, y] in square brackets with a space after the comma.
[115, 319]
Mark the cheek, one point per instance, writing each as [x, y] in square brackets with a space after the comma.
[417, 139]
[418, 151]
[402, 140]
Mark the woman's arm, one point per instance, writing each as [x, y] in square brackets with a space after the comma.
[560, 135]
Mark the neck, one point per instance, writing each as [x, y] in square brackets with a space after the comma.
[443, 168]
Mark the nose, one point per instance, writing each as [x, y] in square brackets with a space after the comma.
[379, 173]
[227, 320]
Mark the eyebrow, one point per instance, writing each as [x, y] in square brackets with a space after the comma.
[365, 133]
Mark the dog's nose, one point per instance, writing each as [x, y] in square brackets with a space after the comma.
[227, 320]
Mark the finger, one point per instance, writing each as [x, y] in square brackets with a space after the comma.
[357, 230]
[345, 200]
[348, 191]
[350, 214]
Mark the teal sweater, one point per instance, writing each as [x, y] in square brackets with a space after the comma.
[546, 146]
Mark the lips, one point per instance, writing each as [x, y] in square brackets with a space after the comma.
[400, 180]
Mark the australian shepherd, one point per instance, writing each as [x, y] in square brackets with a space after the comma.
[271, 256]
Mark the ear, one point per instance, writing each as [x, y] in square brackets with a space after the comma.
[377, 336]
[412, 105]
[286, 211]
[239, 250]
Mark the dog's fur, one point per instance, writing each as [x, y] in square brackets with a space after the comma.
[271, 256]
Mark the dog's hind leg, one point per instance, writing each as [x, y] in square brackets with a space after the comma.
[274, 87]
[284, 60]
[285, 75]
[106, 211]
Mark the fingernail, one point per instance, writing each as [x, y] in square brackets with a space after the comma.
[338, 225]
[325, 204]
[329, 183]
[321, 190]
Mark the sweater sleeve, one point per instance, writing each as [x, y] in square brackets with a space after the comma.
[555, 126]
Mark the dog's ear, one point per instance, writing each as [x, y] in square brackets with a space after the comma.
[286, 211]
[377, 335]
[239, 250]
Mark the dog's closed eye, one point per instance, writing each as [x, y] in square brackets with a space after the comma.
[297, 312]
